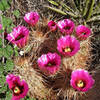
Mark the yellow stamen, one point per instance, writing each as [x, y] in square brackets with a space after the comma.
[49, 64]
[67, 49]
[17, 90]
[80, 84]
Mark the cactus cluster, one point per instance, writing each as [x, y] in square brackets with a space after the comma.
[57, 64]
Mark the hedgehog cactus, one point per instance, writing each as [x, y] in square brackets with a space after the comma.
[41, 68]
[57, 55]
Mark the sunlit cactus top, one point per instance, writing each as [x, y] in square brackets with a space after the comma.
[18, 87]
[31, 18]
[81, 80]
[19, 36]
[66, 26]
[68, 46]
[49, 63]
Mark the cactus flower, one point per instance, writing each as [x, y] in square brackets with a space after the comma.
[19, 36]
[49, 63]
[83, 32]
[66, 26]
[19, 88]
[0, 26]
[68, 46]
[31, 18]
[81, 80]
[52, 25]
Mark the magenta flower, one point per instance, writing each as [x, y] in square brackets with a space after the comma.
[81, 80]
[49, 63]
[83, 32]
[0, 26]
[19, 36]
[52, 25]
[31, 18]
[19, 88]
[66, 26]
[68, 46]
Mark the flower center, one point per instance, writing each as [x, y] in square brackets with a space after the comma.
[17, 90]
[53, 24]
[67, 49]
[80, 84]
[51, 64]
[84, 33]
[19, 37]
[67, 27]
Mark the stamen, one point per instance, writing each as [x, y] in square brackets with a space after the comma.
[17, 90]
[19, 37]
[83, 33]
[67, 49]
[67, 27]
[49, 64]
[80, 84]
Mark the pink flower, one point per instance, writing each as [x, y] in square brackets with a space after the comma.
[66, 26]
[81, 80]
[0, 26]
[52, 25]
[49, 63]
[19, 88]
[31, 18]
[83, 32]
[68, 46]
[19, 36]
